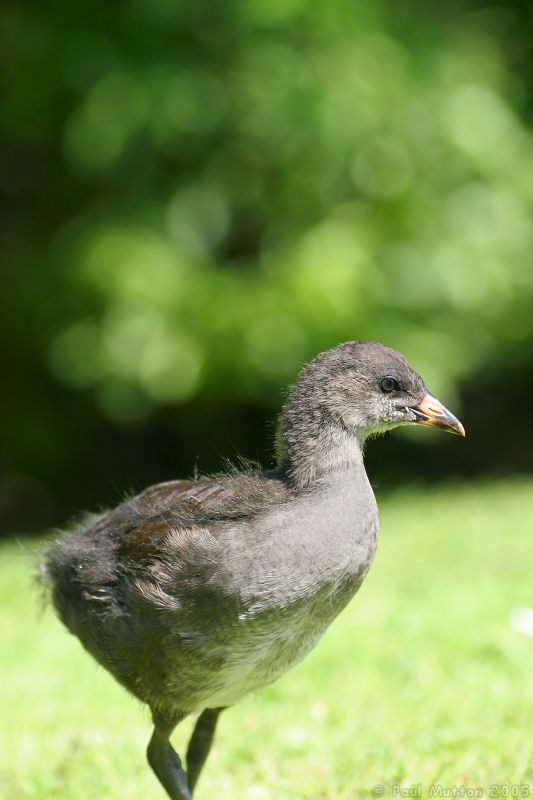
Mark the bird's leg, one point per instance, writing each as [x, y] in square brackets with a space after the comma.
[165, 762]
[200, 743]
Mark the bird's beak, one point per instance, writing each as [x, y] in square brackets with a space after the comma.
[429, 411]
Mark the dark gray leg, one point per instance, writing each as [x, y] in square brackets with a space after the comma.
[165, 762]
[200, 743]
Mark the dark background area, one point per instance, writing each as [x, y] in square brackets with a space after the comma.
[198, 197]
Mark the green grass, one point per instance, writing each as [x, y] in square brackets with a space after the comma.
[421, 680]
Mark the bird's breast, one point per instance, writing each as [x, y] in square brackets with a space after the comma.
[314, 548]
[291, 593]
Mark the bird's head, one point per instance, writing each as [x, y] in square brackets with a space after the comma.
[369, 388]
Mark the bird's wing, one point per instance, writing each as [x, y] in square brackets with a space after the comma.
[184, 514]
[209, 499]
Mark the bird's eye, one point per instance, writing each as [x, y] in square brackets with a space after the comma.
[389, 384]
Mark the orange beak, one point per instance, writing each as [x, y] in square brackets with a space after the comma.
[430, 411]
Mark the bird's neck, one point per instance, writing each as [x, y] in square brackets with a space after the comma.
[315, 451]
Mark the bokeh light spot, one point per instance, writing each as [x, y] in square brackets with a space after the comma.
[382, 168]
[170, 368]
[75, 354]
[98, 131]
[480, 122]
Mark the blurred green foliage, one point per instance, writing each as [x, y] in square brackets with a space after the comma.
[200, 196]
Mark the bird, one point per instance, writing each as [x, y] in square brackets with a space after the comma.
[194, 593]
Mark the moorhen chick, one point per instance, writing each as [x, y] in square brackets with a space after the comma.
[196, 592]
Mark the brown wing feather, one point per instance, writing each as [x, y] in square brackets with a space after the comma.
[185, 508]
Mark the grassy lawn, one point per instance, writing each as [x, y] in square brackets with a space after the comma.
[421, 680]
